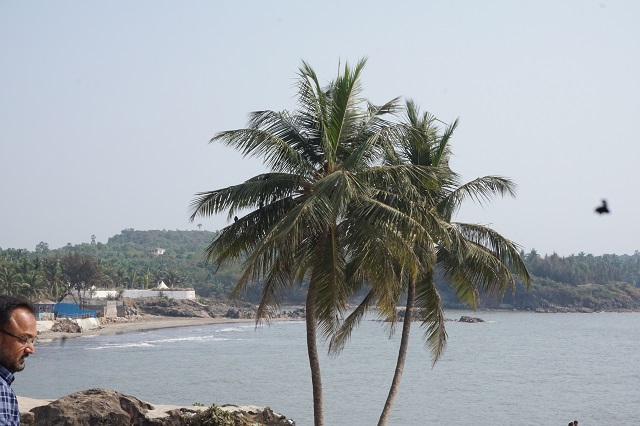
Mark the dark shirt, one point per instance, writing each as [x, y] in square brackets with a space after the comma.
[9, 411]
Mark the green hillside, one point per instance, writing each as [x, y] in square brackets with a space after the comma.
[578, 282]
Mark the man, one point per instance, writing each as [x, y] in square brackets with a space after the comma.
[17, 338]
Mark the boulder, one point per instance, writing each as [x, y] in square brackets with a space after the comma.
[465, 318]
[66, 325]
[101, 407]
[233, 313]
[92, 407]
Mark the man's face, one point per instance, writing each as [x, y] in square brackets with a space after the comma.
[12, 351]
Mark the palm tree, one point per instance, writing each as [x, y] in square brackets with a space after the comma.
[10, 279]
[33, 285]
[172, 278]
[53, 276]
[147, 277]
[323, 198]
[473, 258]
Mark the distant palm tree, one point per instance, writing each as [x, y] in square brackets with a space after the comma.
[33, 285]
[10, 280]
[52, 272]
[147, 277]
[327, 194]
[173, 278]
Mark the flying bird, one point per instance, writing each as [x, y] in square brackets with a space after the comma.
[603, 208]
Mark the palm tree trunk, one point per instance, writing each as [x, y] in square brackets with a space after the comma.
[402, 355]
[314, 361]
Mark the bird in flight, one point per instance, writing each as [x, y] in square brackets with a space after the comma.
[603, 208]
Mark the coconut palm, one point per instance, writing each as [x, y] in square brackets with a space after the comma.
[473, 258]
[10, 279]
[325, 196]
[52, 271]
[33, 285]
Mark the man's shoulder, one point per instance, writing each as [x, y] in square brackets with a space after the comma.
[6, 377]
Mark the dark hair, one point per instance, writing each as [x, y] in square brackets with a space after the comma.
[8, 304]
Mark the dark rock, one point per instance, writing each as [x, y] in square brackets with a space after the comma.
[233, 313]
[297, 313]
[172, 307]
[93, 407]
[465, 318]
[101, 407]
[189, 308]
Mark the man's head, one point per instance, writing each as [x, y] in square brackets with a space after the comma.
[17, 332]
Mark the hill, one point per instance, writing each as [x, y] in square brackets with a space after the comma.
[128, 260]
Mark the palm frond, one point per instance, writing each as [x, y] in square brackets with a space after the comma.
[340, 338]
[506, 251]
[429, 303]
[480, 190]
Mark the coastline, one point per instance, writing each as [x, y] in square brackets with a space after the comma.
[142, 323]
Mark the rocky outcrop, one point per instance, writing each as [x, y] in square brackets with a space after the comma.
[66, 325]
[90, 407]
[465, 318]
[203, 309]
[106, 407]
[172, 308]
[239, 416]
[189, 308]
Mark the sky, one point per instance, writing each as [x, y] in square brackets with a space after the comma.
[107, 108]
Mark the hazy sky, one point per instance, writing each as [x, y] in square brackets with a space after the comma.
[106, 108]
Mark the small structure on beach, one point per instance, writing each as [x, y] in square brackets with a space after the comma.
[44, 310]
[68, 308]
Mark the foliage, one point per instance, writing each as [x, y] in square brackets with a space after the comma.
[328, 194]
[125, 261]
[474, 259]
[607, 282]
[213, 416]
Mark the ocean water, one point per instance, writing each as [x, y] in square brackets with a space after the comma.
[515, 368]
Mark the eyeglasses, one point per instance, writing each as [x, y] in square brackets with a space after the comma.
[25, 342]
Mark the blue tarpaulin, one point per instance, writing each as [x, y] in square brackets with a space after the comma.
[72, 311]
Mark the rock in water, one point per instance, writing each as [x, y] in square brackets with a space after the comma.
[465, 318]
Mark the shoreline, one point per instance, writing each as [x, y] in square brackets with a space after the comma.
[145, 323]
[154, 322]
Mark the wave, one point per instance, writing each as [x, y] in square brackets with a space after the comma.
[121, 346]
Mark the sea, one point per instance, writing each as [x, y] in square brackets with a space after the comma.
[520, 368]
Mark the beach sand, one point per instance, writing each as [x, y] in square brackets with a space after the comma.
[142, 323]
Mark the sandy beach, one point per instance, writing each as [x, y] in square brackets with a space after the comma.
[142, 323]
